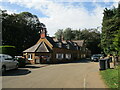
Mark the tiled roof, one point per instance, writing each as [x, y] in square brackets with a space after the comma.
[33, 48]
[79, 42]
[71, 45]
[40, 47]
[43, 47]
[50, 39]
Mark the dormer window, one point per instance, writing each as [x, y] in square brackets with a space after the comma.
[60, 45]
[77, 47]
[68, 46]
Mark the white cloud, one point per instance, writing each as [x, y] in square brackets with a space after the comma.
[61, 16]
[115, 4]
[9, 11]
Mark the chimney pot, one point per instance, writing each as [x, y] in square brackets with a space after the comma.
[43, 33]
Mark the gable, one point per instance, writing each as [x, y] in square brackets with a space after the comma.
[43, 48]
[46, 41]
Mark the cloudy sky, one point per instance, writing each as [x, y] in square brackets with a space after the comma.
[60, 14]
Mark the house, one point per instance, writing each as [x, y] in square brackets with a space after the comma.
[51, 50]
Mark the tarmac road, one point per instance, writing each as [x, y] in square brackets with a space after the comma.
[81, 74]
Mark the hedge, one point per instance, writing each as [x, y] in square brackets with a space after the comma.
[10, 50]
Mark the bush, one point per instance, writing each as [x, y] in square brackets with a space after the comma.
[10, 50]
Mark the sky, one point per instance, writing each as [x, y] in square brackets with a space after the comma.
[61, 14]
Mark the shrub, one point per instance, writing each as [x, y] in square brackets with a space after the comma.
[10, 50]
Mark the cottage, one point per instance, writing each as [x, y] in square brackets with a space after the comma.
[51, 50]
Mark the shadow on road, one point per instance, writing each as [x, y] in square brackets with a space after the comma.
[35, 67]
[32, 67]
[84, 61]
[16, 72]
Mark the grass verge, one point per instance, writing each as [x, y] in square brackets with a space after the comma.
[111, 77]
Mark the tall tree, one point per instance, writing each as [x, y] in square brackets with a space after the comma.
[68, 35]
[59, 34]
[91, 36]
[110, 27]
[20, 30]
[117, 42]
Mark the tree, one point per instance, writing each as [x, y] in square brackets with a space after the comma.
[77, 34]
[110, 27]
[117, 42]
[91, 37]
[59, 34]
[20, 30]
[68, 35]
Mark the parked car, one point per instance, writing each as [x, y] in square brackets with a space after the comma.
[96, 57]
[7, 62]
[22, 61]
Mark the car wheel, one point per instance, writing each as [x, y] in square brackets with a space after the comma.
[3, 69]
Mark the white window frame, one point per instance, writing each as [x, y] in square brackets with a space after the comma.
[68, 56]
[29, 56]
[59, 56]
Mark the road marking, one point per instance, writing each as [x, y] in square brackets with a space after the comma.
[84, 84]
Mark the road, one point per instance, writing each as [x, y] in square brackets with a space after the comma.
[80, 74]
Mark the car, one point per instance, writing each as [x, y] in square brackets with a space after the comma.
[7, 62]
[96, 57]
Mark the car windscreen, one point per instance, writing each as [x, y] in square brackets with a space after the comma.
[7, 57]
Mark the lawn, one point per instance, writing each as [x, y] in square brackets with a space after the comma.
[110, 77]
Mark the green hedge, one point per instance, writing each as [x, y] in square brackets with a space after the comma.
[10, 50]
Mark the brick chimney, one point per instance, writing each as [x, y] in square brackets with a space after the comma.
[43, 33]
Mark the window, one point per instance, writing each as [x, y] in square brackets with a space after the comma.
[68, 56]
[68, 46]
[59, 56]
[29, 56]
[59, 44]
[7, 57]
